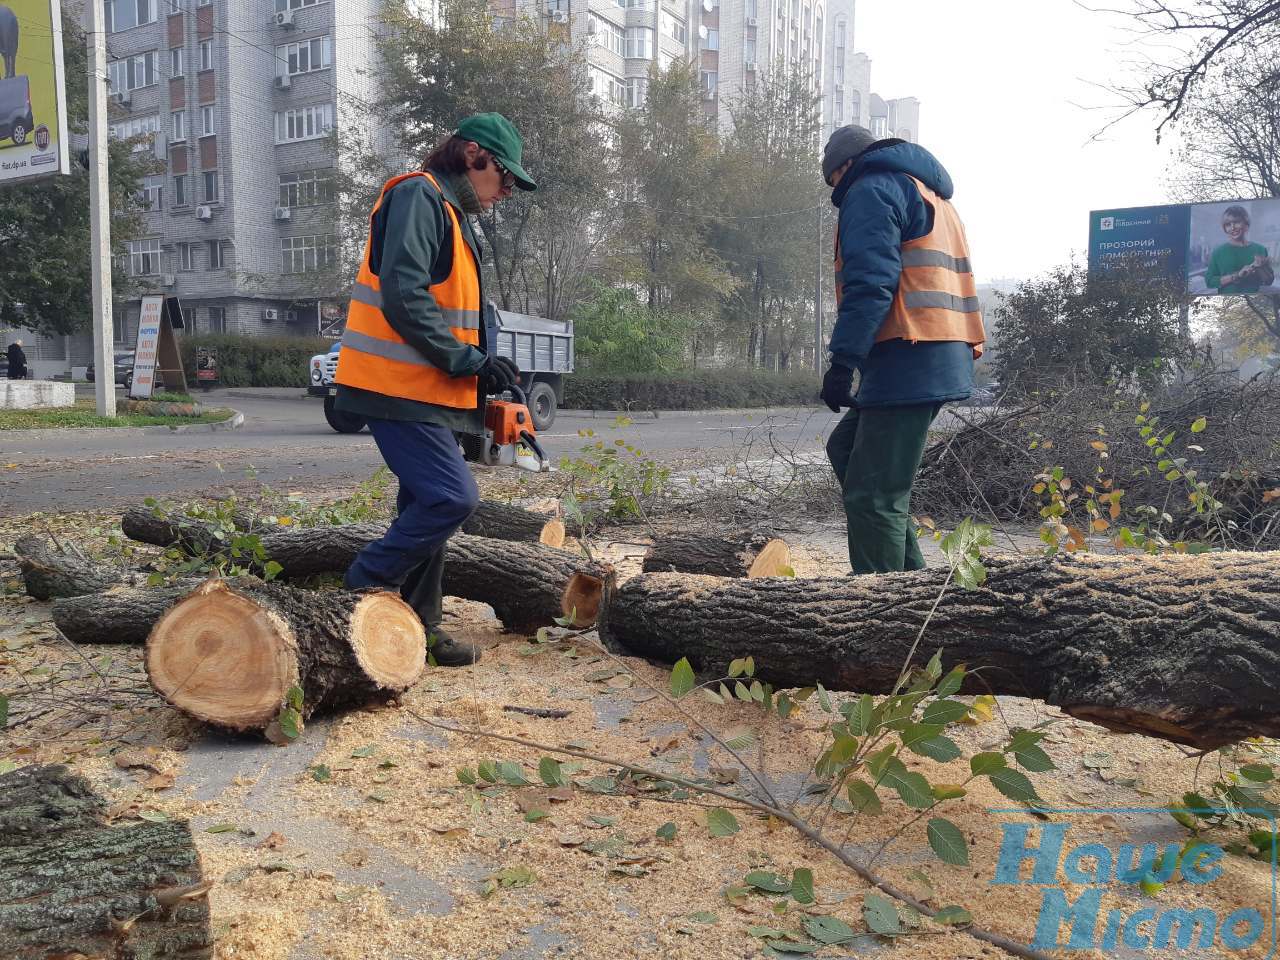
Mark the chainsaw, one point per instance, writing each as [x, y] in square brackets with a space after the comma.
[509, 439]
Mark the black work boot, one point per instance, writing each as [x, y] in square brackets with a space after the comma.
[444, 651]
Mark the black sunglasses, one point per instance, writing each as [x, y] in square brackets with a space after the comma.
[508, 178]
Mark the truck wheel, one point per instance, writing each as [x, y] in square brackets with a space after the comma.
[542, 405]
[340, 420]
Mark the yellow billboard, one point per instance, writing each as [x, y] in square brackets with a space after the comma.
[33, 115]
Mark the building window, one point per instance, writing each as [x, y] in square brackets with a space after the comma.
[878, 126]
[179, 125]
[752, 9]
[206, 54]
[209, 186]
[132, 73]
[639, 42]
[295, 58]
[305, 254]
[216, 261]
[295, 4]
[207, 121]
[713, 40]
[144, 257]
[150, 193]
[307, 188]
[749, 49]
[180, 190]
[608, 35]
[217, 319]
[637, 91]
[838, 110]
[203, 3]
[305, 123]
[186, 256]
[710, 78]
[127, 14]
[855, 107]
[674, 28]
[140, 127]
[189, 318]
[176, 62]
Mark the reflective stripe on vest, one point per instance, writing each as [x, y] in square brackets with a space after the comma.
[376, 358]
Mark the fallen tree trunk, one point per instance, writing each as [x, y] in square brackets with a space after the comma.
[194, 535]
[48, 571]
[119, 615]
[71, 886]
[1184, 648]
[229, 653]
[501, 521]
[743, 554]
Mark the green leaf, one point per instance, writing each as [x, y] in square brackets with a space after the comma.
[221, 828]
[153, 816]
[953, 917]
[294, 697]
[666, 832]
[1198, 425]
[828, 930]
[1014, 785]
[911, 786]
[512, 774]
[4, 711]
[824, 700]
[682, 678]
[881, 915]
[791, 946]
[367, 750]
[735, 668]
[985, 763]
[533, 816]
[487, 771]
[864, 798]
[763, 933]
[551, 773]
[704, 916]
[860, 714]
[1033, 758]
[320, 773]
[947, 841]
[785, 706]
[948, 791]
[290, 723]
[749, 666]
[944, 711]
[913, 733]
[714, 697]
[1257, 772]
[770, 882]
[951, 683]
[741, 691]
[722, 823]
[271, 569]
[467, 776]
[7, 766]
[802, 885]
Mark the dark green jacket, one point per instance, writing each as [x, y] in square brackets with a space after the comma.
[411, 248]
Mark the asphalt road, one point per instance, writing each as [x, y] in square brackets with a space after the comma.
[286, 443]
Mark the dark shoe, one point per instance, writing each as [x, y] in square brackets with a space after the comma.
[444, 651]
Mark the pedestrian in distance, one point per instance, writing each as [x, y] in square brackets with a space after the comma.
[17, 361]
[414, 361]
[907, 320]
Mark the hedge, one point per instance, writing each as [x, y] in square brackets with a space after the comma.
[690, 390]
[255, 361]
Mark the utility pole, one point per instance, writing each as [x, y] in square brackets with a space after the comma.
[817, 301]
[100, 213]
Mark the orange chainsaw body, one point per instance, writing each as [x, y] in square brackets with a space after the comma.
[506, 420]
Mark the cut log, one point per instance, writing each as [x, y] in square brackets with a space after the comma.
[229, 652]
[165, 530]
[71, 886]
[735, 555]
[49, 571]
[1185, 648]
[118, 615]
[501, 521]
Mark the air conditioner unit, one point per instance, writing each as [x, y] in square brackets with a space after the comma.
[168, 280]
[559, 16]
[271, 313]
[284, 82]
[204, 213]
[291, 316]
[752, 22]
[121, 99]
[284, 19]
[284, 213]
[749, 65]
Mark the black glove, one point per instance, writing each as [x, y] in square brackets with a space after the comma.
[497, 374]
[837, 386]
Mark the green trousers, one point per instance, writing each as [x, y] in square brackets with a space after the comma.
[875, 453]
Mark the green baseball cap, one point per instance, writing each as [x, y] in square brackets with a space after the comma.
[499, 136]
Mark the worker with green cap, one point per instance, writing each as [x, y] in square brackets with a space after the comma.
[414, 362]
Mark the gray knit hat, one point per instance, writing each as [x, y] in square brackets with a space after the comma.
[846, 143]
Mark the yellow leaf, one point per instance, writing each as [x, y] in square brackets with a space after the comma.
[285, 521]
[982, 711]
[1047, 445]
[1098, 445]
[1038, 488]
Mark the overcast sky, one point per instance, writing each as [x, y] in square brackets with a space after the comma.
[1000, 84]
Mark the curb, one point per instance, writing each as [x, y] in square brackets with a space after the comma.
[233, 422]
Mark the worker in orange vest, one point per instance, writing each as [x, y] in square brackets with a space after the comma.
[907, 319]
[414, 362]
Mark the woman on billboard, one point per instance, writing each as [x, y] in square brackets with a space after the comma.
[1238, 266]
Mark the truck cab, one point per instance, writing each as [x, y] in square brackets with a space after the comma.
[543, 350]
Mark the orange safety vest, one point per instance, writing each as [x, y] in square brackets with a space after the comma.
[937, 296]
[374, 357]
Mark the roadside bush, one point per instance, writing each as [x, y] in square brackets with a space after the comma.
[616, 333]
[690, 390]
[255, 361]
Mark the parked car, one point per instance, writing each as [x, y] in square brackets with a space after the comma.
[124, 371]
[16, 121]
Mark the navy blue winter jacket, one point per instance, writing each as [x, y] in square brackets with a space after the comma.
[880, 210]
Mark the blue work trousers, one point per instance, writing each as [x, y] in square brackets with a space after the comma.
[437, 494]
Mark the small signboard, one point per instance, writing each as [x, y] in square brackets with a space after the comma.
[206, 365]
[156, 353]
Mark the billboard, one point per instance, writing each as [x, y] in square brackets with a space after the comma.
[33, 114]
[1212, 249]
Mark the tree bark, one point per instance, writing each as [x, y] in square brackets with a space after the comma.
[71, 885]
[501, 521]
[49, 571]
[743, 554]
[194, 535]
[228, 653]
[118, 615]
[1185, 648]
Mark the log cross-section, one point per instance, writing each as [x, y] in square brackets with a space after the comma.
[730, 555]
[1185, 648]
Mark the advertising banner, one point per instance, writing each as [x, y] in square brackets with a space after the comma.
[147, 348]
[1212, 249]
[33, 115]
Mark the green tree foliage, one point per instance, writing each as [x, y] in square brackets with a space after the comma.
[1103, 328]
[468, 61]
[45, 280]
[616, 333]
